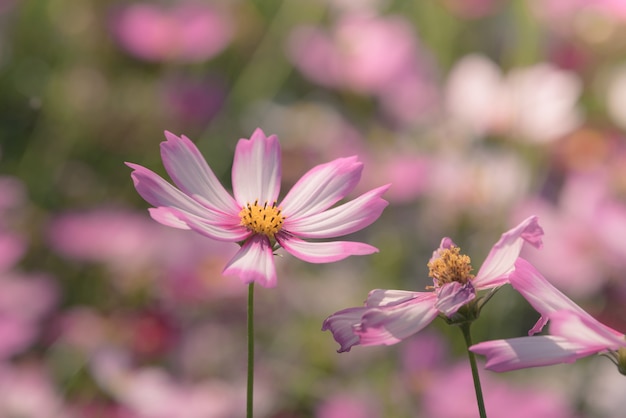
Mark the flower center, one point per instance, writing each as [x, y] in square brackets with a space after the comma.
[263, 219]
[451, 266]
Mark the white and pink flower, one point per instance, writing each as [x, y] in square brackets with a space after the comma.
[389, 316]
[253, 217]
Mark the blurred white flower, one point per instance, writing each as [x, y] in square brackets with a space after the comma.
[536, 103]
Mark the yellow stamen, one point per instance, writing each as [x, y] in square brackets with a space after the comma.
[263, 219]
[451, 266]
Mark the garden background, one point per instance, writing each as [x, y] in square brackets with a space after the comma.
[479, 112]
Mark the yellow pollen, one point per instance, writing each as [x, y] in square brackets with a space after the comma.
[263, 219]
[451, 266]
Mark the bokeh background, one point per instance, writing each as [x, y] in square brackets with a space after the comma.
[480, 112]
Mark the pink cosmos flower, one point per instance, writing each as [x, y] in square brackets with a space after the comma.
[390, 316]
[253, 217]
[186, 32]
[574, 332]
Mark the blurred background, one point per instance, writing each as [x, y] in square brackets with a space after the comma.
[480, 112]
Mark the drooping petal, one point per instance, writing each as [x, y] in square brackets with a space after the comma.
[226, 231]
[341, 220]
[190, 172]
[341, 324]
[523, 352]
[321, 187]
[254, 262]
[585, 330]
[323, 252]
[501, 259]
[541, 295]
[451, 296]
[391, 324]
[257, 169]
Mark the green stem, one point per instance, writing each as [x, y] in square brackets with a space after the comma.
[465, 328]
[250, 388]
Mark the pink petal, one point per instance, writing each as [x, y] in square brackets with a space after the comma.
[542, 296]
[341, 220]
[341, 324]
[501, 259]
[585, 330]
[523, 352]
[190, 172]
[257, 169]
[445, 244]
[225, 231]
[451, 296]
[254, 262]
[384, 297]
[158, 192]
[321, 187]
[323, 252]
[391, 324]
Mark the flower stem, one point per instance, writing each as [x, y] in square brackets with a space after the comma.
[250, 387]
[465, 328]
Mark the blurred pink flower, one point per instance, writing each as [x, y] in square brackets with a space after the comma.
[573, 332]
[369, 55]
[106, 236]
[12, 248]
[389, 316]
[593, 20]
[25, 301]
[153, 393]
[179, 269]
[493, 181]
[187, 31]
[536, 103]
[28, 391]
[362, 53]
[253, 217]
[502, 399]
[587, 227]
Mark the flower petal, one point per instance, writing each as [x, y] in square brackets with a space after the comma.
[158, 192]
[585, 330]
[254, 262]
[257, 169]
[323, 252]
[391, 324]
[451, 296]
[227, 231]
[190, 172]
[545, 298]
[341, 220]
[523, 352]
[501, 259]
[341, 324]
[321, 187]
[384, 297]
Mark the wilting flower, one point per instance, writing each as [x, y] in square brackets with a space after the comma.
[574, 332]
[253, 217]
[390, 316]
